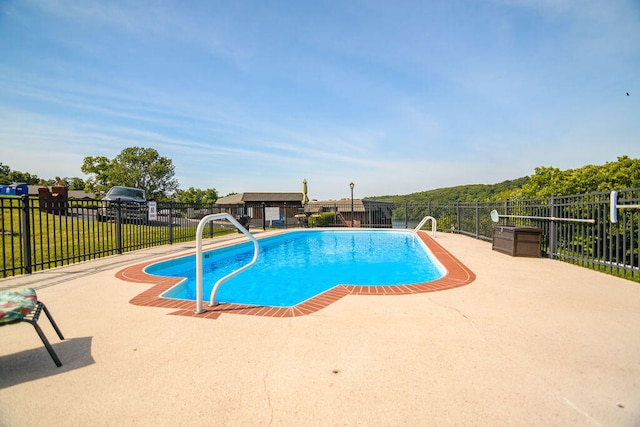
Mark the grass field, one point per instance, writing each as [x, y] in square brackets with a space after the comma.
[56, 240]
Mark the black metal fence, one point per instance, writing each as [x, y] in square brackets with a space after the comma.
[581, 229]
[42, 234]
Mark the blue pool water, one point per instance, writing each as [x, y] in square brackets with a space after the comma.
[296, 266]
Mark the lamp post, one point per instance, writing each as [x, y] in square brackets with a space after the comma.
[351, 185]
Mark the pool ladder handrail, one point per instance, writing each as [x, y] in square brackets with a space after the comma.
[434, 225]
[214, 291]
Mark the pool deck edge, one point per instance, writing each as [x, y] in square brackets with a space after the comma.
[457, 275]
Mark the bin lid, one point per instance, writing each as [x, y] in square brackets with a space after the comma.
[517, 227]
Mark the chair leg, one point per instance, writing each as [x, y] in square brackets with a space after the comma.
[45, 341]
[53, 323]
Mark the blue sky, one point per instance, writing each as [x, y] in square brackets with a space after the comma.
[397, 97]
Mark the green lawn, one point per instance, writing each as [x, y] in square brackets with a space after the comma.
[57, 240]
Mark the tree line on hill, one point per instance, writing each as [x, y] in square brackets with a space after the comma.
[134, 167]
[145, 168]
[545, 182]
[8, 176]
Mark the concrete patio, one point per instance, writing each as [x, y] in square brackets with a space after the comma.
[529, 342]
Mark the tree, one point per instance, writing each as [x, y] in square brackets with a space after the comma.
[25, 177]
[625, 173]
[548, 181]
[71, 183]
[4, 174]
[196, 196]
[7, 176]
[98, 166]
[134, 167]
[74, 183]
[461, 193]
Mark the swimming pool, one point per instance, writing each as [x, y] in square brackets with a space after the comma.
[296, 266]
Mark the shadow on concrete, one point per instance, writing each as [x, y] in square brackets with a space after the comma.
[33, 364]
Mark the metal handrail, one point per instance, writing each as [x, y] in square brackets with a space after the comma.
[434, 225]
[495, 216]
[214, 291]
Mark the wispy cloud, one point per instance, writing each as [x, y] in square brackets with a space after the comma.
[255, 97]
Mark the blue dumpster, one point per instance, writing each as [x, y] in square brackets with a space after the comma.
[14, 189]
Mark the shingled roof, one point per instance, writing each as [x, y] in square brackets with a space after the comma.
[344, 205]
[243, 198]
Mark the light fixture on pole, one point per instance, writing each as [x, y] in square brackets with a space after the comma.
[351, 185]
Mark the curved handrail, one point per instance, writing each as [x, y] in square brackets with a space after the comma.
[434, 225]
[199, 230]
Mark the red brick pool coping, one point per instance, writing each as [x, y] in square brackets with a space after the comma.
[457, 275]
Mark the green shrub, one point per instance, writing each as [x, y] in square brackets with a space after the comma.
[324, 219]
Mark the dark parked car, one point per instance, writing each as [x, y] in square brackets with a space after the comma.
[132, 203]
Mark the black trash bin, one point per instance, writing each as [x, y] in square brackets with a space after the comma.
[244, 221]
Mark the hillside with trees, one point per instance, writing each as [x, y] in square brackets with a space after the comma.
[545, 182]
[145, 168]
[461, 193]
[9, 176]
[136, 167]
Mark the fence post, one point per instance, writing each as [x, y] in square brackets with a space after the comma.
[458, 215]
[26, 234]
[119, 227]
[553, 229]
[477, 220]
[406, 215]
[171, 207]
[210, 224]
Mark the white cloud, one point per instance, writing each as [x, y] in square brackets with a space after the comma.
[255, 98]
